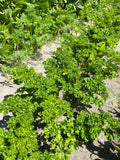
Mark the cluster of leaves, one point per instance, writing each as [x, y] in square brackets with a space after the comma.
[97, 9]
[62, 131]
[78, 68]
[82, 64]
[27, 25]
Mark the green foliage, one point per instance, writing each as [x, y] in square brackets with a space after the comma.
[35, 83]
[27, 25]
[82, 64]
[89, 126]
[54, 107]
[78, 68]
[96, 10]
[63, 138]
[20, 140]
[39, 99]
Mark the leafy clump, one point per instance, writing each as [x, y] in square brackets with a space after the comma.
[81, 65]
[26, 26]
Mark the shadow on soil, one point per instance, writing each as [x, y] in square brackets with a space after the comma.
[103, 151]
[3, 122]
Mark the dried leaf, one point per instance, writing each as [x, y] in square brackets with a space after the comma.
[114, 104]
[10, 81]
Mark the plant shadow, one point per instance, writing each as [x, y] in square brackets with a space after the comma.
[43, 143]
[3, 122]
[105, 151]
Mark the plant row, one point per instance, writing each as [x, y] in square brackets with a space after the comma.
[46, 126]
[26, 25]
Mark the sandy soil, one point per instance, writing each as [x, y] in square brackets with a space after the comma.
[100, 149]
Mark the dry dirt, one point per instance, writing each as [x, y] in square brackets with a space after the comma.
[100, 149]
